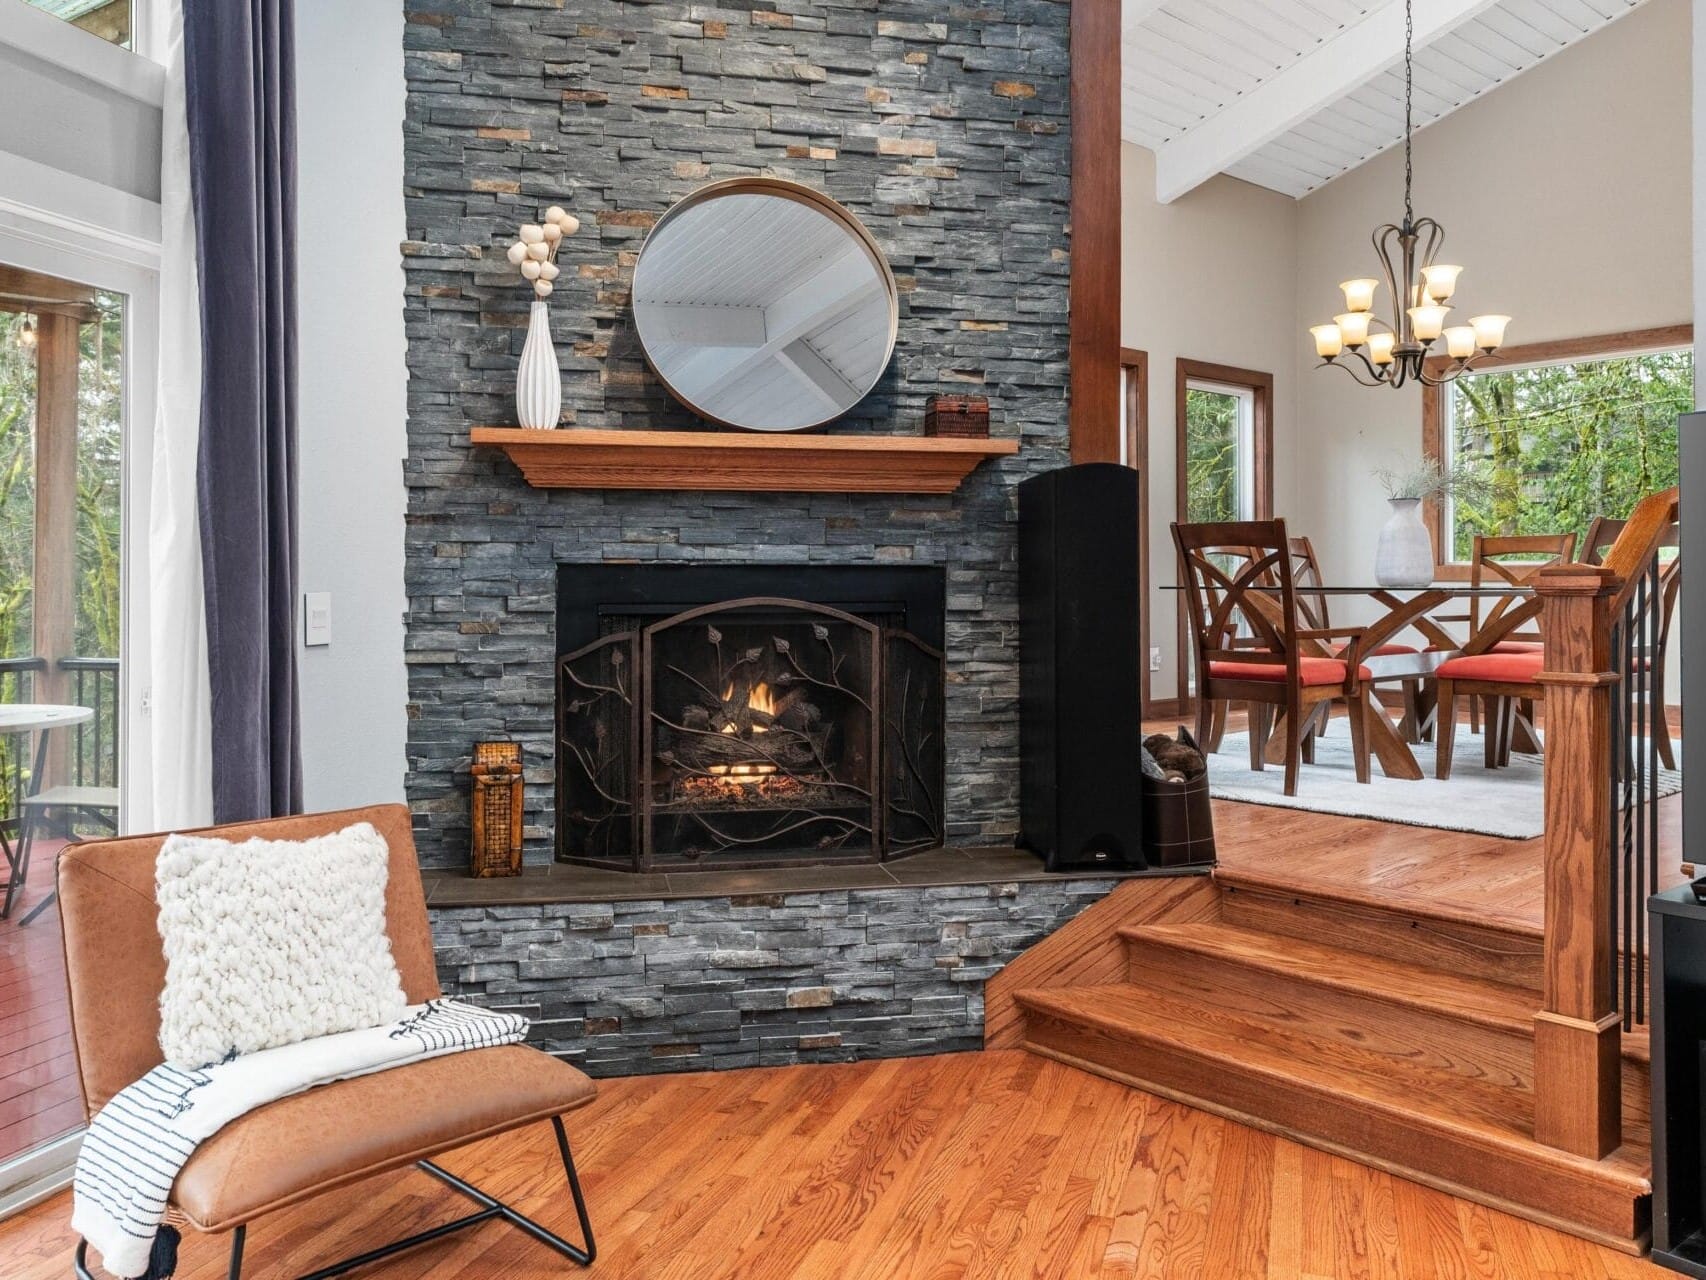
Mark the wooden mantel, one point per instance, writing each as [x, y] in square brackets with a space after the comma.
[579, 458]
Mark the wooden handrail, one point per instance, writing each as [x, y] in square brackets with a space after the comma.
[1578, 1033]
[1647, 530]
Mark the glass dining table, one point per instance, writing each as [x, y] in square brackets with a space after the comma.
[1400, 609]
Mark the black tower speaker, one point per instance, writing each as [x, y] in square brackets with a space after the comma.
[1080, 691]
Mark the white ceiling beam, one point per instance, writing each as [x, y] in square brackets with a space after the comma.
[699, 324]
[1307, 87]
[818, 376]
[846, 283]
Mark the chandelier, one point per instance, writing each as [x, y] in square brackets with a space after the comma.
[1391, 353]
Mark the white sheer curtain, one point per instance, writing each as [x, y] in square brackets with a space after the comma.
[179, 716]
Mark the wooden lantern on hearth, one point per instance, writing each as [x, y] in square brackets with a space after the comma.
[498, 790]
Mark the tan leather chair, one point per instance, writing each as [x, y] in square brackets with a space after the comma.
[330, 1136]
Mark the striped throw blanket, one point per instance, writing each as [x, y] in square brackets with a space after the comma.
[142, 1138]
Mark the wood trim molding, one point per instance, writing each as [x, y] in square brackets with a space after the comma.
[1262, 384]
[1135, 365]
[1602, 346]
[1094, 303]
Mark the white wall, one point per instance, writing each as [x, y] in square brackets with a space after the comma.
[1209, 277]
[1564, 194]
[353, 395]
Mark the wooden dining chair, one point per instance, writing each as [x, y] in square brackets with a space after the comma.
[1253, 643]
[1601, 536]
[1511, 560]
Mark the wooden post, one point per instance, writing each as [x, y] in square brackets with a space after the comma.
[1094, 306]
[1577, 1034]
[54, 600]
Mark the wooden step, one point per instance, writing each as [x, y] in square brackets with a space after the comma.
[1377, 1094]
[1411, 930]
[1465, 1026]
[1224, 947]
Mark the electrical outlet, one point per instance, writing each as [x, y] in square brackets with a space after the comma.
[1155, 658]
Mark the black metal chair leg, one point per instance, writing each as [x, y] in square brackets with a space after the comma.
[490, 1207]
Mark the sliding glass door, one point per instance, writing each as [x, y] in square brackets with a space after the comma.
[75, 330]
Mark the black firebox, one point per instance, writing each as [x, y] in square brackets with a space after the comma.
[722, 717]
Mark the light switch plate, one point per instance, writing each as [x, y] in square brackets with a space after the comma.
[316, 618]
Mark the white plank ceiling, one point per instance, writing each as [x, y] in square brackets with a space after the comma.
[1288, 94]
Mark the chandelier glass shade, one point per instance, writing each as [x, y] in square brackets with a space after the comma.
[1393, 349]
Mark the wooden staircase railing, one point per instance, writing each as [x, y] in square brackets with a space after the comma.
[1578, 1031]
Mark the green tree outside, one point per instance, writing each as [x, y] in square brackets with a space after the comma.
[1557, 445]
[1211, 455]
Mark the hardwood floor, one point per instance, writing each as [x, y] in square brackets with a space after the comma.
[1497, 878]
[1502, 879]
[995, 1165]
[39, 1099]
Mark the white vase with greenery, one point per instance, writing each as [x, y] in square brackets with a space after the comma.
[1404, 553]
[538, 382]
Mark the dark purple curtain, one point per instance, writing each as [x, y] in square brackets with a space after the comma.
[240, 69]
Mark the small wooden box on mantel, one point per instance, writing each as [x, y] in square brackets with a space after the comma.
[962, 417]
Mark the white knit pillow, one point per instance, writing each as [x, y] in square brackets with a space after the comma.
[269, 942]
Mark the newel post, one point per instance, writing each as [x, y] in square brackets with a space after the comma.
[1577, 1034]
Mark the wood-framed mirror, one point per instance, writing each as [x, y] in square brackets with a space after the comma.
[764, 305]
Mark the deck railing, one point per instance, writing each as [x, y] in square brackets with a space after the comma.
[1601, 842]
[94, 751]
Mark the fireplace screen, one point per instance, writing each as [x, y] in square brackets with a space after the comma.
[754, 732]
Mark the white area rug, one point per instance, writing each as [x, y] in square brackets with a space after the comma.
[1499, 802]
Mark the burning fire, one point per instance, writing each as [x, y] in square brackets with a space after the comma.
[760, 700]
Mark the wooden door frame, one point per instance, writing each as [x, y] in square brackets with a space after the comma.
[1261, 385]
[1558, 351]
[1135, 366]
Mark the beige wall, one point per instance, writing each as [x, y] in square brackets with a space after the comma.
[1209, 277]
[1565, 196]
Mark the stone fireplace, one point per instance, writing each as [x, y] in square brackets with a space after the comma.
[946, 133]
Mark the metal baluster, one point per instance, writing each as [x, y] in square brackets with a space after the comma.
[1613, 765]
[1631, 828]
[1636, 940]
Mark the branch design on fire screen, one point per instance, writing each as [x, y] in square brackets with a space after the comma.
[753, 732]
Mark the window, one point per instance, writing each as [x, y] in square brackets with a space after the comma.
[1559, 434]
[1219, 426]
[111, 20]
[1223, 451]
[1224, 448]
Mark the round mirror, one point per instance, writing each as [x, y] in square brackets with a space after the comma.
[764, 305]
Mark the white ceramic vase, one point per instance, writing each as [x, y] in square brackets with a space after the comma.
[1404, 556]
[538, 383]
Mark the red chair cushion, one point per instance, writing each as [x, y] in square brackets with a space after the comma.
[1503, 668]
[1503, 646]
[1385, 650]
[1309, 670]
